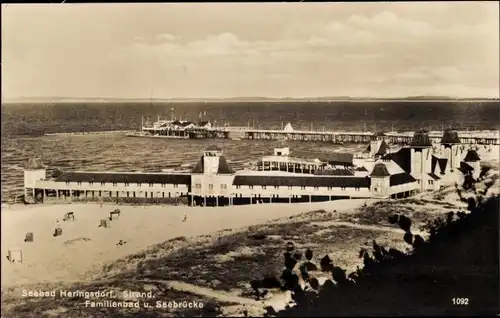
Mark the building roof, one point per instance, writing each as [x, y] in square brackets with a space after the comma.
[288, 127]
[361, 169]
[450, 136]
[402, 158]
[421, 139]
[401, 178]
[182, 123]
[383, 149]
[434, 176]
[213, 148]
[441, 162]
[334, 158]
[334, 172]
[464, 167]
[56, 173]
[379, 134]
[198, 168]
[34, 164]
[124, 177]
[471, 156]
[303, 181]
[224, 167]
[380, 170]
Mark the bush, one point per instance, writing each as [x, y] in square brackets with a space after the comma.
[459, 260]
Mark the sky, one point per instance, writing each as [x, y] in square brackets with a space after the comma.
[193, 50]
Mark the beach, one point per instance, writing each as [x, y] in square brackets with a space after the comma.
[84, 246]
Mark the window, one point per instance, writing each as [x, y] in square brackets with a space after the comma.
[114, 184]
[250, 187]
[276, 187]
[163, 185]
[375, 189]
[126, 184]
[263, 187]
[91, 183]
[431, 182]
[67, 183]
[176, 185]
[316, 188]
[223, 186]
[290, 187]
[150, 184]
[302, 188]
[210, 187]
[103, 183]
[139, 185]
[342, 188]
[329, 188]
[418, 181]
[79, 183]
[357, 188]
[238, 187]
[197, 186]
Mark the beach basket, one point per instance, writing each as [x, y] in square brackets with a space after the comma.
[105, 223]
[57, 232]
[69, 216]
[29, 237]
[15, 255]
[114, 215]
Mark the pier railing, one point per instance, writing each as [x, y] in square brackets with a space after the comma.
[107, 132]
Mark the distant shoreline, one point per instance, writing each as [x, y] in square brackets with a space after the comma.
[232, 101]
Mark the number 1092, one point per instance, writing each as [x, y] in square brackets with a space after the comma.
[460, 301]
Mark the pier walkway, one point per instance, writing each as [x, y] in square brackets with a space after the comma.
[77, 133]
[338, 137]
[479, 137]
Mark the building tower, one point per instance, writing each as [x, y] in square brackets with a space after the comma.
[380, 181]
[34, 170]
[421, 163]
[211, 158]
[450, 144]
[473, 160]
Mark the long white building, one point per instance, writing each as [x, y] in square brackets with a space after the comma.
[283, 176]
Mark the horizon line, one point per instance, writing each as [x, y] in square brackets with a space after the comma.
[325, 98]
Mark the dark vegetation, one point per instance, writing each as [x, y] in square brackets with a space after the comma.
[460, 259]
[206, 264]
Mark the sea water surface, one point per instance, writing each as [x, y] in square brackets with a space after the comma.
[24, 124]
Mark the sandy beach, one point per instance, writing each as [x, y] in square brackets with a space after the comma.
[84, 245]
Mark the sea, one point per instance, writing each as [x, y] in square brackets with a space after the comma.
[23, 126]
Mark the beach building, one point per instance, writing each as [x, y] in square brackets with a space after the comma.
[283, 176]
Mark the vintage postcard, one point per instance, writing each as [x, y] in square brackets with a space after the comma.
[250, 159]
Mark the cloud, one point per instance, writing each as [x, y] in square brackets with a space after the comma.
[399, 48]
[166, 37]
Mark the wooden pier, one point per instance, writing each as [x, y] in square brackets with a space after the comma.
[79, 133]
[345, 137]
